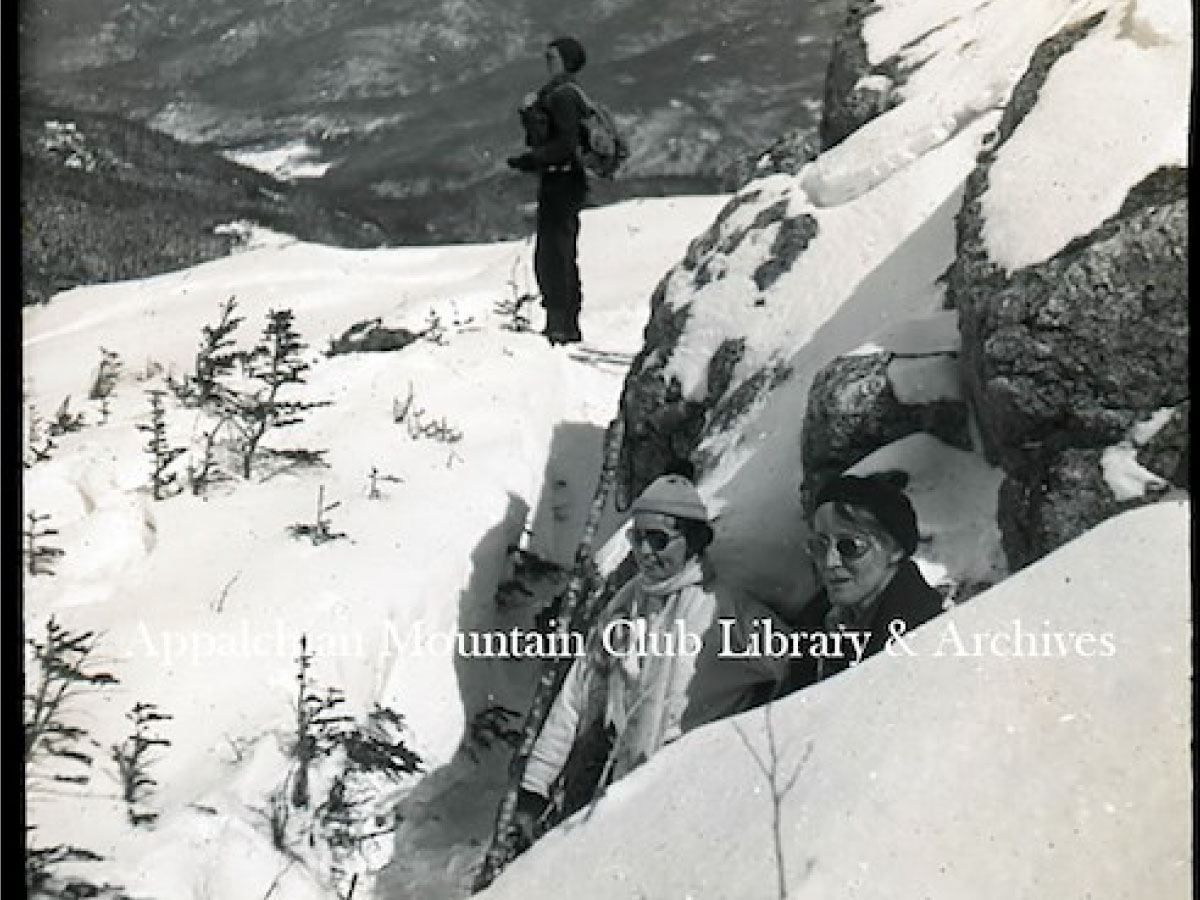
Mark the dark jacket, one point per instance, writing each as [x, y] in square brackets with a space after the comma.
[908, 598]
[552, 125]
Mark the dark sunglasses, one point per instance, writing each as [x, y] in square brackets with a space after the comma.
[657, 539]
[850, 547]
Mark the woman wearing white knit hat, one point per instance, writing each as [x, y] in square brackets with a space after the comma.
[636, 689]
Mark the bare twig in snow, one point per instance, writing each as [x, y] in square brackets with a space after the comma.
[769, 765]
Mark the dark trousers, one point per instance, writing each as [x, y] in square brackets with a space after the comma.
[561, 196]
[586, 766]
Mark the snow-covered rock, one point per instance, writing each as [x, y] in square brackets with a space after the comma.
[1075, 325]
[852, 85]
[899, 218]
[862, 401]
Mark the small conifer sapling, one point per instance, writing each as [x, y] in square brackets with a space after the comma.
[320, 530]
[317, 723]
[62, 670]
[215, 358]
[133, 757]
[40, 442]
[65, 421]
[39, 556]
[206, 471]
[107, 373]
[276, 364]
[163, 482]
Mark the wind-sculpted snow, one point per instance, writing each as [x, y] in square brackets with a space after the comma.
[887, 145]
[1110, 112]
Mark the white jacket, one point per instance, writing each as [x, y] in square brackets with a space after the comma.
[645, 694]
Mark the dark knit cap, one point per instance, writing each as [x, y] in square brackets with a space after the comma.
[887, 503]
[571, 51]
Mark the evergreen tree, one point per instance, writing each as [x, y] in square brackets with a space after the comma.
[276, 364]
[62, 661]
[132, 757]
[38, 555]
[215, 357]
[163, 482]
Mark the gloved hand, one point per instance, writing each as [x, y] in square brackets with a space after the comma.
[523, 163]
[530, 808]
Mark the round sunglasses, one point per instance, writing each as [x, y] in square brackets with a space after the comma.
[850, 547]
[657, 539]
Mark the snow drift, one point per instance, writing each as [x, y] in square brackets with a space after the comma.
[199, 601]
[1050, 760]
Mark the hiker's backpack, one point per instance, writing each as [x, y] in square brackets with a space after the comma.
[602, 147]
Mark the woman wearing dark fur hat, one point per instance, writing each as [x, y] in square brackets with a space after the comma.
[864, 531]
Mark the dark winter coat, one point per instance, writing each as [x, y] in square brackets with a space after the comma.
[908, 598]
[552, 127]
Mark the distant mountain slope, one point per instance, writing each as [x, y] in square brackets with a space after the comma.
[104, 199]
[413, 102]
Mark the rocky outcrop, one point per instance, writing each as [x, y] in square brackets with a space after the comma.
[706, 255]
[1066, 497]
[1061, 358]
[660, 424]
[663, 425]
[1079, 348]
[855, 92]
[786, 156]
[1064, 354]
[854, 408]
[793, 237]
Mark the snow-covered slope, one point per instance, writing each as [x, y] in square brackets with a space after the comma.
[1055, 762]
[199, 602]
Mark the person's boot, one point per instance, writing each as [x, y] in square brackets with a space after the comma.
[571, 333]
[555, 332]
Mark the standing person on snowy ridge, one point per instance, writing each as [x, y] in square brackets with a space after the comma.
[552, 129]
[644, 681]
